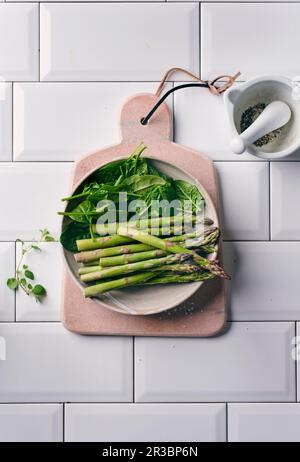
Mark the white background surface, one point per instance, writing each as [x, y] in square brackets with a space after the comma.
[68, 67]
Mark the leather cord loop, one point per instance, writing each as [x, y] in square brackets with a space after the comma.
[212, 85]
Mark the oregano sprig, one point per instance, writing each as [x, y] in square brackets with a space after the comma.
[24, 278]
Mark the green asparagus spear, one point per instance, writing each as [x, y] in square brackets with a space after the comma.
[181, 268]
[131, 258]
[103, 287]
[193, 240]
[113, 240]
[88, 269]
[148, 223]
[169, 246]
[179, 278]
[101, 242]
[132, 267]
[87, 256]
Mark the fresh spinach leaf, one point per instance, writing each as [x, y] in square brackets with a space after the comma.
[189, 192]
[72, 232]
[138, 183]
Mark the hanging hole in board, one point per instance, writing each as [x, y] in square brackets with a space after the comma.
[142, 121]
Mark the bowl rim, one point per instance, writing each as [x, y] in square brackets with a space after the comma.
[194, 285]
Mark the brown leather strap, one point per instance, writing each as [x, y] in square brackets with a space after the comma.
[213, 88]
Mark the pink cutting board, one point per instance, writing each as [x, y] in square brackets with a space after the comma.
[203, 314]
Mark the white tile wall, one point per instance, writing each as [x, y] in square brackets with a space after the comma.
[5, 121]
[245, 37]
[63, 102]
[47, 268]
[19, 41]
[96, 41]
[252, 362]
[7, 267]
[201, 123]
[46, 363]
[264, 422]
[244, 189]
[34, 191]
[285, 188]
[264, 282]
[145, 422]
[62, 121]
[31, 423]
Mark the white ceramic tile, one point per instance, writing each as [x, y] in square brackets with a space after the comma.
[5, 121]
[251, 362]
[47, 268]
[45, 362]
[264, 422]
[246, 37]
[62, 121]
[31, 423]
[285, 191]
[145, 422]
[34, 191]
[19, 45]
[265, 280]
[137, 41]
[7, 268]
[244, 194]
[201, 123]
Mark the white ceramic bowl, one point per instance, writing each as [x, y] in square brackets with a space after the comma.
[152, 299]
[265, 90]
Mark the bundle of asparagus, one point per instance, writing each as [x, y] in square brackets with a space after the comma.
[136, 254]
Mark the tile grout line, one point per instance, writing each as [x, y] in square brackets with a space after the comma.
[12, 122]
[270, 204]
[226, 410]
[296, 363]
[230, 321]
[200, 40]
[15, 292]
[39, 40]
[133, 369]
[64, 422]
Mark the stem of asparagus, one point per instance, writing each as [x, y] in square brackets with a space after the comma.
[92, 262]
[209, 236]
[184, 268]
[116, 240]
[131, 258]
[103, 287]
[132, 267]
[101, 242]
[88, 269]
[179, 278]
[169, 246]
[164, 222]
[85, 257]
[206, 249]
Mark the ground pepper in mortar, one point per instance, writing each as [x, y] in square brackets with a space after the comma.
[249, 116]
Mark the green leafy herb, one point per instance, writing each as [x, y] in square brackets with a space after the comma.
[39, 291]
[189, 192]
[29, 274]
[71, 233]
[138, 183]
[24, 274]
[12, 283]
